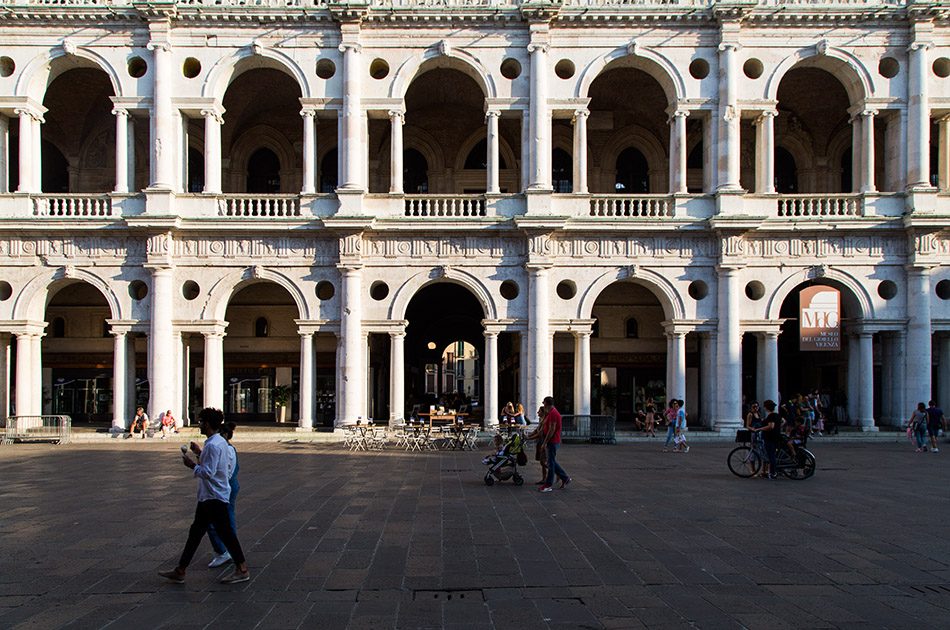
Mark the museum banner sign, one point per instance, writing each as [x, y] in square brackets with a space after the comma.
[820, 319]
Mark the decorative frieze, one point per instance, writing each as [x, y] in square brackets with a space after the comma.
[463, 247]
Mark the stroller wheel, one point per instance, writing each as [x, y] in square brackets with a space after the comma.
[518, 479]
[489, 480]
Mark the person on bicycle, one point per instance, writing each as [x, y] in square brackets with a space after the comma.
[771, 431]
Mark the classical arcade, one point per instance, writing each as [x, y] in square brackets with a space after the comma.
[314, 212]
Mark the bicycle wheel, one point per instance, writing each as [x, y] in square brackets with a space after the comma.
[743, 461]
[803, 468]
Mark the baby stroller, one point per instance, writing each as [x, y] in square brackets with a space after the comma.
[504, 464]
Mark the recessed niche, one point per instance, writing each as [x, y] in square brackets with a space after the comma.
[698, 289]
[699, 69]
[325, 68]
[325, 290]
[755, 290]
[887, 289]
[888, 67]
[509, 289]
[5, 290]
[379, 69]
[566, 289]
[510, 69]
[564, 69]
[7, 66]
[943, 289]
[137, 67]
[379, 290]
[191, 68]
[190, 290]
[753, 68]
[138, 290]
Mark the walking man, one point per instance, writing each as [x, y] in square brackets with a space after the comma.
[552, 439]
[212, 471]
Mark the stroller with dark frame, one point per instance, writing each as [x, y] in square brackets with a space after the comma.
[503, 465]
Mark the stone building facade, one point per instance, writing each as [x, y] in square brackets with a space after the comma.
[603, 200]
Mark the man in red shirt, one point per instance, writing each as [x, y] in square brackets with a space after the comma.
[551, 438]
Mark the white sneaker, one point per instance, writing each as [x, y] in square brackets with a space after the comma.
[217, 561]
[935, 450]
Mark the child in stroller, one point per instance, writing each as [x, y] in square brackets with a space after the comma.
[504, 464]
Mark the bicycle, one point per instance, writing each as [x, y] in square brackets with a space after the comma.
[747, 459]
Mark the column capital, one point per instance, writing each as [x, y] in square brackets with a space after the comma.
[120, 111]
[397, 114]
[729, 47]
[353, 46]
[308, 112]
[492, 113]
[765, 113]
[490, 334]
[538, 47]
[917, 46]
[349, 269]
[537, 268]
[213, 114]
[868, 113]
[397, 334]
[29, 112]
[580, 113]
[158, 45]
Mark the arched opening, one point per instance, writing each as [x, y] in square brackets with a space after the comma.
[77, 360]
[618, 122]
[835, 374]
[262, 132]
[786, 175]
[626, 372]
[263, 173]
[632, 173]
[813, 114]
[78, 135]
[477, 158]
[260, 372]
[415, 175]
[562, 171]
[329, 172]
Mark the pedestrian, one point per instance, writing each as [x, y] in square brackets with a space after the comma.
[679, 425]
[140, 420]
[221, 555]
[540, 453]
[754, 417]
[917, 426]
[935, 422]
[169, 424]
[552, 442]
[212, 471]
[771, 431]
[650, 428]
[670, 417]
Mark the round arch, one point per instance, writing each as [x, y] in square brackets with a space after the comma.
[46, 66]
[855, 297]
[426, 144]
[409, 288]
[841, 64]
[439, 57]
[663, 289]
[225, 288]
[642, 58]
[31, 302]
[229, 68]
[261, 137]
[504, 151]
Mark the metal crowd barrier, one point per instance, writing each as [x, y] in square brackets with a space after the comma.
[53, 429]
[594, 429]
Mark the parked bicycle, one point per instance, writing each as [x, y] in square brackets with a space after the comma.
[747, 459]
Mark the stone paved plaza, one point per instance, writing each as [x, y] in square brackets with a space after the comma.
[396, 540]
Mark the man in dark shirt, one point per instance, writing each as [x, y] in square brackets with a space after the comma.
[935, 422]
[551, 437]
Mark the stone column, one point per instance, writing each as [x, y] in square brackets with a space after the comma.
[729, 352]
[214, 369]
[4, 161]
[25, 378]
[29, 180]
[540, 369]
[765, 152]
[857, 154]
[490, 386]
[309, 151]
[36, 351]
[120, 411]
[918, 117]
[707, 385]
[943, 152]
[213, 122]
[396, 120]
[524, 386]
[728, 118]
[676, 360]
[678, 153]
[492, 185]
[397, 377]
[4, 375]
[580, 151]
[354, 372]
[367, 376]
[540, 140]
[338, 382]
[351, 118]
[121, 150]
[306, 381]
[160, 343]
[769, 369]
[866, 382]
[918, 353]
[163, 142]
[130, 154]
[526, 153]
[867, 151]
[854, 378]
[582, 372]
[185, 369]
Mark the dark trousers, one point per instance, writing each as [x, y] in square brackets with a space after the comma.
[553, 467]
[770, 451]
[211, 513]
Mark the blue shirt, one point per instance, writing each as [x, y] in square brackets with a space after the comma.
[214, 469]
[681, 419]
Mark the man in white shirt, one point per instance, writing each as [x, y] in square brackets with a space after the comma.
[213, 469]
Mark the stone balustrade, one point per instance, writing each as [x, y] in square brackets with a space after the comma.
[460, 4]
[626, 206]
[444, 206]
[265, 206]
[819, 206]
[72, 205]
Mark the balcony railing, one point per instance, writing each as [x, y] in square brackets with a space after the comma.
[818, 206]
[623, 206]
[445, 206]
[75, 205]
[266, 206]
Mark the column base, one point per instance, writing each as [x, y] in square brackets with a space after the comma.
[727, 427]
[303, 429]
[868, 428]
